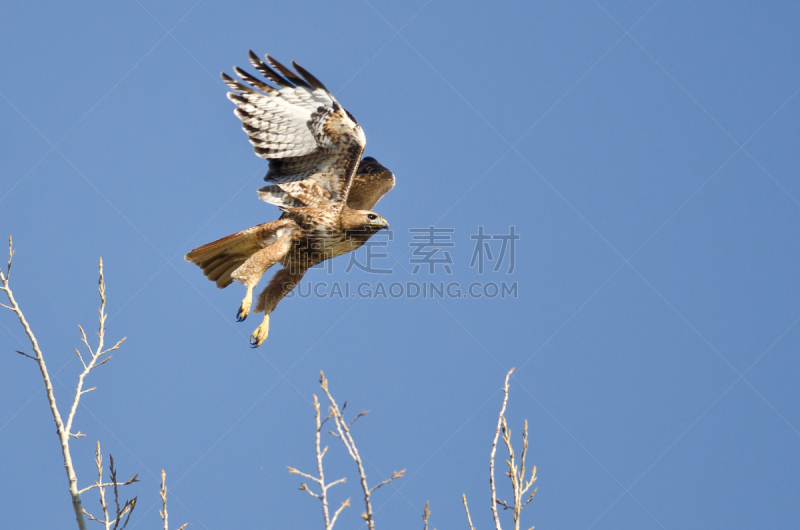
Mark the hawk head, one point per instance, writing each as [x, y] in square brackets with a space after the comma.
[362, 221]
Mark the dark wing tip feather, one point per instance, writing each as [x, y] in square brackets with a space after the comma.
[268, 72]
[239, 113]
[235, 85]
[313, 81]
[228, 80]
[236, 98]
[287, 73]
[253, 81]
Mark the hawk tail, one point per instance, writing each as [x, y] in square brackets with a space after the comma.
[220, 258]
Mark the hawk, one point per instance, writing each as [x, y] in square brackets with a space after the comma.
[316, 177]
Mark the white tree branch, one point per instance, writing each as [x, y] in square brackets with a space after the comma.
[63, 434]
[516, 472]
[343, 433]
[500, 421]
[426, 513]
[163, 512]
[466, 507]
[95, 354]
[320, 453]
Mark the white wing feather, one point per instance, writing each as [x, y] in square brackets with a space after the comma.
[313, 144]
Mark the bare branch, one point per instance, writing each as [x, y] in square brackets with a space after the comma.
[94, 354]
[304, 487]
[354, 419]
[129, 505]
[98, 460]
[344, 505]
[426, 513]
[320, 452]
[469, 519]
[22, 352]
[500, 421]
[80, 357]
[343, 433]
[516, 472]
[335, 482]
[63, 434]
[10, 257]
[396, 474]
[135, 478]
[93, 518]
[306, 475]
[90, 516]
[163, 513]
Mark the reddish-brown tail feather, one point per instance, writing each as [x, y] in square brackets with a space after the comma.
[220, 258]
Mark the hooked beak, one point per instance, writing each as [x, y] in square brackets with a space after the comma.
[385, 223]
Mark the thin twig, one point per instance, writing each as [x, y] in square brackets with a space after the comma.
[129, 504]
[516, 472]
[343, 433]
[163, 513]
[396, 474]
[63, 434]
[22, 352]
[469, 519]
[101, 486]
[95, 354]
[98, 459]
[320, 452]
[500, 420]
[426, 513]
[109, 484]
[344, 505]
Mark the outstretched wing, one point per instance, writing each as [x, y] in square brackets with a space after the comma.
[372, 181]
[313, 144]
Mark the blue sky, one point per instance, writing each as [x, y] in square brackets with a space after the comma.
[645, 152]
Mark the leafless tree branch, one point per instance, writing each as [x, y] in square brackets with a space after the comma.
[21, 352]
[122, 514]
[320, 452]
[63, 433]
[96, 354]
[500, 420]
[395, 475]
[97, 357]
[343, 431]
[426, 513]
[466, 507]
[516, 472]
[163, 512]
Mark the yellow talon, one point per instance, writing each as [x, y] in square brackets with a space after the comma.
[244, 309]
[260, 334]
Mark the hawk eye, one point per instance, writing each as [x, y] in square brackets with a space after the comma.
[372, 216]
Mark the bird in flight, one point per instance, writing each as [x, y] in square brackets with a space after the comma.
[316, 177]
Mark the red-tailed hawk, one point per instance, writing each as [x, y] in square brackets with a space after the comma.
[317, 178]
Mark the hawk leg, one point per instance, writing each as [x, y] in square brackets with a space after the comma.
[251, 271]
[279, 286]
[260, 334]
[244, 308]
